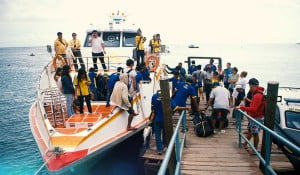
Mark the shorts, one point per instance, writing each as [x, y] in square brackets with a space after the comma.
[130, 111]
[219, 114]
[253, 127]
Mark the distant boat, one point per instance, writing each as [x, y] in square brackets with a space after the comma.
[31, 54]
[297, 43]
[193, 46]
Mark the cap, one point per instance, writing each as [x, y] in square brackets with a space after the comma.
[253, 81]
[238, 86]
[216, 84]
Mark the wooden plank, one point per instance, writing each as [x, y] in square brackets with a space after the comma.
[219, 168]
[221, 164]
[200, 172]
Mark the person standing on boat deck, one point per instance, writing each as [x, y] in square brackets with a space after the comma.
[221, 98]
[68, 89]
[227, 73]
[210, 65]
[156, 45]
[60, 46]
[151, 43]
[158, 119]
[57, 78]
[131, 74]
[93, 86]
[75, 47]
[120, 98]
[140, 51]
[192, 68]
[255, 110]
[98, 50]
[82, 82]
[113, 78]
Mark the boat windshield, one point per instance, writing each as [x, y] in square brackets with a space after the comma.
[292, 119]
[129, 39]
[111, 39]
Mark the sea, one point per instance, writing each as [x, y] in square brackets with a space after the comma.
[19, 154]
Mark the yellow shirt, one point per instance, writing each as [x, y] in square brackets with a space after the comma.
[60, 46]
[156, 46]
[141, 43]
[82, 86]
[74, 43]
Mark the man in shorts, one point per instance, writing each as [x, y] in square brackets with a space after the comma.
[221, 98]
[255, 110]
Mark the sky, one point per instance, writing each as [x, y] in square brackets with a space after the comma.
[35, 23]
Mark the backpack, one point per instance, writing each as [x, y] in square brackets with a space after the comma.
[203, 126]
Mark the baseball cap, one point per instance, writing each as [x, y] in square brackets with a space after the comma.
[238, 86]
[253, 81]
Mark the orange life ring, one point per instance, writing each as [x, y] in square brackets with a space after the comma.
[56, 58]
[152, 61]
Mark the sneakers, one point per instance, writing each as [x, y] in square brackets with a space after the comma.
[222, 131]
[215, 132]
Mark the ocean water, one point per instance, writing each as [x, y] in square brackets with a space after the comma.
[18, 151]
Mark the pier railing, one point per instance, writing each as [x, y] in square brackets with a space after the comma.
[179, 144]
[268, 134]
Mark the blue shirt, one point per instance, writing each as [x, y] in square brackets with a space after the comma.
[156, 107]
[92, 76]
[185, 90]
[213, 67]
[113, 78]
[175, 82]
[227, 72]
[182, 71]
[192, 68]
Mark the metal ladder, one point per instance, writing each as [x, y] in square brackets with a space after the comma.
[55, 106]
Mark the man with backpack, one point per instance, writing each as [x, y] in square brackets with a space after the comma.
[255, 110]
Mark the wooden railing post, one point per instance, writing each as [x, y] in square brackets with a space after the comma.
[270, 110]
[168, 124]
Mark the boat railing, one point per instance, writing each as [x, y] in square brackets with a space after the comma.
[268, 135]
[179, 144]
[88, 61]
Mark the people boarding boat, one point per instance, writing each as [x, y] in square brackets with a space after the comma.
[64, 141]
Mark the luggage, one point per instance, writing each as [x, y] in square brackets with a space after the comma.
[203, 126]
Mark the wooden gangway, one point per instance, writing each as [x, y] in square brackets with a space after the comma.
[217, 154]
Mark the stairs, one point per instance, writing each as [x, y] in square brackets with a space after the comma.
[55, 107]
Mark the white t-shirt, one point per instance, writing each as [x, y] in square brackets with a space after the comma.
[221, 96]
[97, 45]
[242, 82]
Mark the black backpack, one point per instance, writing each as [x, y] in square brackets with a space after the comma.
[203, 126]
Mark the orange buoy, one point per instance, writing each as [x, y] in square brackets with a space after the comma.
[152, 61]
[58, 61]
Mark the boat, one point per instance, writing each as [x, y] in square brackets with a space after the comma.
[68, 142]
[287, 122]
[193, 46]
[32, 54]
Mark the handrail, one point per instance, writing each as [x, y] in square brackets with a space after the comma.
[268, 133]
[178, 146]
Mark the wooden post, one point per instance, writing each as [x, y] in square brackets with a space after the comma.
[270, 110]
[168, 123]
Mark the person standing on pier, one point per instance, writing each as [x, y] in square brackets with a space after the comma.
[98, 50]
[255, 110]
[158, 119]
[75, 47]
[140, 51]
[210, 65]
[192, 68]
[60, 46]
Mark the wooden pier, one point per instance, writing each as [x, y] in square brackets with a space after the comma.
[217, 154]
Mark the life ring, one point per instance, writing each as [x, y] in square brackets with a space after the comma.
[56, 59]
[152, 61]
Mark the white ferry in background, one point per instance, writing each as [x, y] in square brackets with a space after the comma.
[68, 142]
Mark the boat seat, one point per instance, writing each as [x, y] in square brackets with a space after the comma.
[69, 130]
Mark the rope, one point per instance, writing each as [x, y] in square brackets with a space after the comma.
[43, 165]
